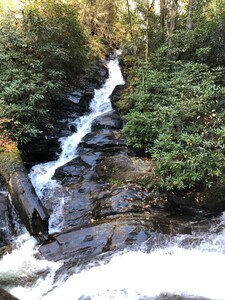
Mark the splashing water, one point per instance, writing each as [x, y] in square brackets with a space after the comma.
[178, 267]
[21, 266]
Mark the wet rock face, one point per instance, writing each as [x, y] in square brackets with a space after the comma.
[99, 216]
[95, 239]
[115, 97]
[104, 208]
[109, 120]
[112, 233]
[29, 207]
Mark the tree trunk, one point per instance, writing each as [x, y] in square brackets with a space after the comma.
[131, 26]
[173, 19]
[163, 13]
[173, 16]
[148, 8]
[190, 23]
[29, 207]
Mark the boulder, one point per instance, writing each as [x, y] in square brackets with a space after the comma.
[110, 120]
[122, 167]
[112, 233]
[95, 238]
[115, 97]
[76, 169]
[104, 140]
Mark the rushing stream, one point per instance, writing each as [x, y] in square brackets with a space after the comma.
[189, 265]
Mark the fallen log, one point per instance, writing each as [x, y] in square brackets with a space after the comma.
[29, 207]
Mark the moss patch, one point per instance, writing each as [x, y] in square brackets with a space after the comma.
[10, 159]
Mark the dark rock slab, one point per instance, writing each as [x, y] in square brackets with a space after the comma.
[74, 168]
[108, 120]
[77, 202]
[115, 97]
[122, 200]
[90, 157]
[112, 233]
[105, 140]
[77, 243]
[81, 100]
[96, 238]
[78, 206]
[41, 150]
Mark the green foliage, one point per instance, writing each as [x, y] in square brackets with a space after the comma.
[42, 49]
[178, 119]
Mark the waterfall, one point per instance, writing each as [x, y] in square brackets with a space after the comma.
[41, 175]
[189, 265]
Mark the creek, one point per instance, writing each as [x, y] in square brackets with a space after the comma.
[188, 265]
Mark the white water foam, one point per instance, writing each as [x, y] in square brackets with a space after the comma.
[21, 266]
[192, 271]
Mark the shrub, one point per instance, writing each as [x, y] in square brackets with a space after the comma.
[42, 49]
[178, 119]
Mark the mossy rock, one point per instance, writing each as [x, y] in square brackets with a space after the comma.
[10, 162]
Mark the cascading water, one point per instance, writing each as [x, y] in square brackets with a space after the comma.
[41, 175]
[188, 265]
